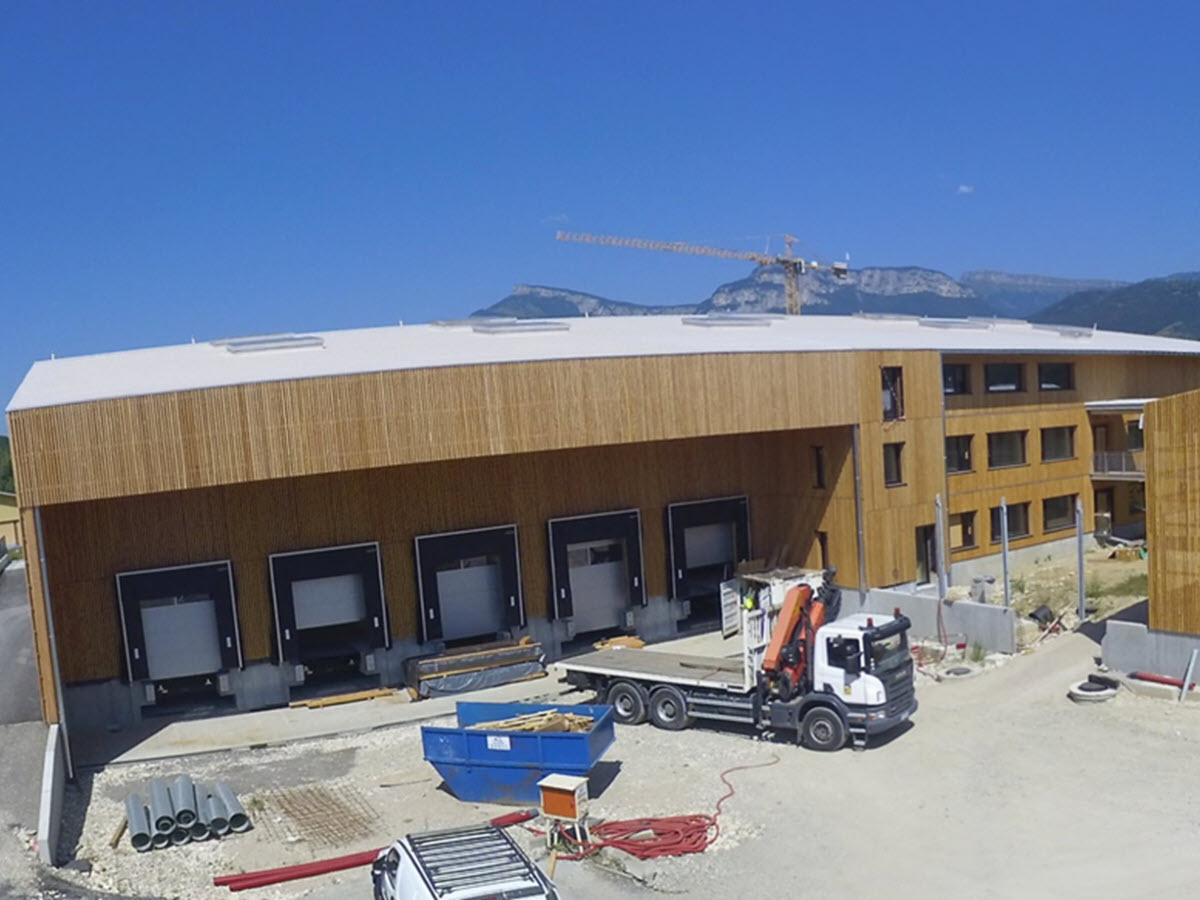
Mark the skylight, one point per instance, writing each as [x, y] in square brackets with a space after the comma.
[260, 342]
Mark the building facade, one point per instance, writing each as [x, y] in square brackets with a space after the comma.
[228, 522]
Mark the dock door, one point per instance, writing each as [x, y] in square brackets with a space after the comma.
[596, 570]
[179, 622]
[469, 584]
[328, 603]
[707, 539]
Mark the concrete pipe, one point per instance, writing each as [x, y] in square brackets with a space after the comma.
[180, 836]
[183, 801]
[138, 817]
[162, 813]
[218, 818]
[238, 820]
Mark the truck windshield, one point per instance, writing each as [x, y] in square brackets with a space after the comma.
[888, 653]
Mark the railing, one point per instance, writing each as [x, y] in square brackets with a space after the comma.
[1118, 462]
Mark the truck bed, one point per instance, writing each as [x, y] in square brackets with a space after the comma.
[651, 665]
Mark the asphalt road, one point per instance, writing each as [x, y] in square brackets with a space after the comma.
[19, 700]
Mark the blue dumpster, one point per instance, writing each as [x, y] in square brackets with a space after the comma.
[484, 766]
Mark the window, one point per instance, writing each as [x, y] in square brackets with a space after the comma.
[958, 453]
[1056, 376]
[956, 378]
[1137, 498]
[892, 473]
[1058, 512]
[1135, 437]
[1004, 377]
[1018, 522]
[893, 392]
[818, 467]
[962, 530]
[1058, 443]
[1006, 448]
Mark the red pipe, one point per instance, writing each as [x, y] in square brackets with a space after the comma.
[244, 880]
[1160, 679]
[264, 877]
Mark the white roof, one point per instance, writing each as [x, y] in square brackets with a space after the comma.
[195, 366]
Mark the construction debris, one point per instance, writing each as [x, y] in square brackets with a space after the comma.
[631, 641]
[548, 720]
[338, 699]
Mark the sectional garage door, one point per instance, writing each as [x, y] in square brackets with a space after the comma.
[596, 568]
[179, 622]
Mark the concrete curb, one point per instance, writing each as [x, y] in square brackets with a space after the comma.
[1157, 691]
[54, 776]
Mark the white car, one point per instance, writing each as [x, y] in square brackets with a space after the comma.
[473, 863]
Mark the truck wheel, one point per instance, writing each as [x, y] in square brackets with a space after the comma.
[628, 702]
[668, 709]
[822, 729]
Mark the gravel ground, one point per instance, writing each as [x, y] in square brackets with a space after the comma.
[1001, 787]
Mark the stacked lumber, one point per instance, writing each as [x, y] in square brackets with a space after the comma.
[469, 668]
[547, 720]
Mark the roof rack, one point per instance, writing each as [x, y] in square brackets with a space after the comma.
[709, 320]
[520, 326]
[259, 342]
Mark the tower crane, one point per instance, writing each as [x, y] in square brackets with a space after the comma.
[793, 266]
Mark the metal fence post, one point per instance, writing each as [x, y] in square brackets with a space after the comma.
[1004, 550]
[1079, 555]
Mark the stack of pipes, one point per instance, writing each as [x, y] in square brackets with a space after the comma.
[183, 811]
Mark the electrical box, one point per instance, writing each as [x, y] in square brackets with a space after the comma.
[564, 797]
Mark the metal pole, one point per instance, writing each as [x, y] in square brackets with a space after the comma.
[54, 667]
[1187, 676]
[940, 532]
[858, 522]
[1079, 558]
[1004, 550]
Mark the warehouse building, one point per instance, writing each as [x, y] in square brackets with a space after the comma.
[225, 523]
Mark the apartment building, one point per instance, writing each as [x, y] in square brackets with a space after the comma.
[224, 523]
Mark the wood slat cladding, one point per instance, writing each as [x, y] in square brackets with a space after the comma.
[89, 542]
[1173, 512]
[37, 608]
[255, 432]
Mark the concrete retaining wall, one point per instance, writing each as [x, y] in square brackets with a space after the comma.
[1062, 550]
[993, 627]
[54, 777]
[1132, 646]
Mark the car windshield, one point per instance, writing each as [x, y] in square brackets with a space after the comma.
[888, 653]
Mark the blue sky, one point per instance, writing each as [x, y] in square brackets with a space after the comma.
[176, 170]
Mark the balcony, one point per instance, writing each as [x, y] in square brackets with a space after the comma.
[1119, 465]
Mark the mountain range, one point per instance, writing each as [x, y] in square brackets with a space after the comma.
[907, 290]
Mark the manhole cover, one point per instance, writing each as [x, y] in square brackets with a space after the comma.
[959, 671]
[319, 815]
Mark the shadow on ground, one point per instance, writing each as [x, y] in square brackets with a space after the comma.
[1139, 612]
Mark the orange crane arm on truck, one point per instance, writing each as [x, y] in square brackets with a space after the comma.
[798, 621]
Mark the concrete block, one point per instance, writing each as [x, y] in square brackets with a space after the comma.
[102, 705]
[54, 778]
[1062, 550]
[260, 685]
[1132, 646]
[657, 620]
[993, 627]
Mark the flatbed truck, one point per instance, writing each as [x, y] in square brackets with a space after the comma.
[829, 682]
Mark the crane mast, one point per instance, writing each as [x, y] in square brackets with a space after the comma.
[793, 266]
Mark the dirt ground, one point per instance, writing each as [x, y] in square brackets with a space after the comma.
[1001, 787]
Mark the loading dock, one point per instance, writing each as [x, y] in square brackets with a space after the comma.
[596, 569]
[706, 540]
[329, 604]
[469, 584]
[178, 622]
